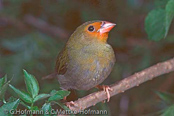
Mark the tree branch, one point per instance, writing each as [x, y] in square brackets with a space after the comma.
[45, 27]
[6, 20]
[125, 84]
[37, 23]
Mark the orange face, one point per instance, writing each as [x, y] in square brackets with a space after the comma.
[99, 30]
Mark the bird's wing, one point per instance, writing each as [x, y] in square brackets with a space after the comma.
[62, 61]
[61, 65]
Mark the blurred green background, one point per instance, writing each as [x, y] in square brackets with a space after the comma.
[32, 33]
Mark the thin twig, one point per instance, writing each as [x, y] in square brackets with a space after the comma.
[45, 27]
[6, 20]
[35, 22]
[125, 84]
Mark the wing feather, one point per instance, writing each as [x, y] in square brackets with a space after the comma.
[62, 62]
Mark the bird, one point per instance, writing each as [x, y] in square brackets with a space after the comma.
[86, 59]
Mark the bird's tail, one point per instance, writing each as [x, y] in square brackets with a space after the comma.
[50, 76]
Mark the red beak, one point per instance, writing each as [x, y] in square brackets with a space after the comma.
[106, 27]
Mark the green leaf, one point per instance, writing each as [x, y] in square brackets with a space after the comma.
[53, 92]
[47, 109]
[161, 3]
[169, 111]
[158, 21]
[63, 93]
[155, 24]
[167, 97]
[34, 108]
[22, 103]
[41, 96]
[31, 84]
[3, 80]
[24, 96]
[169, 15]
[11, 99]
[58, 95]
[55, 97]
[5, 109]
[3, 89]
[62, 105]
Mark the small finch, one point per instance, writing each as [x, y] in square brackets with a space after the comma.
[87, 59]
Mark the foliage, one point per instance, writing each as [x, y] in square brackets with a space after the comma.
[169, 111]
[158, 21]
[29, 98]
[3, 86]
[157, 24]
[169, 99]
[4, 109]
[166, 97]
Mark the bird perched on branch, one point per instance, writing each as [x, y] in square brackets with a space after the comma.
[87, 59]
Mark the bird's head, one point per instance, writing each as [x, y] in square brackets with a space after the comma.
[95, 30]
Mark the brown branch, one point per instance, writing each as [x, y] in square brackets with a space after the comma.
[6, 20]
[35, 22]
[125, 84]
[45, 27]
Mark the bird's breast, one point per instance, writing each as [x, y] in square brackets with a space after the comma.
[89, 67]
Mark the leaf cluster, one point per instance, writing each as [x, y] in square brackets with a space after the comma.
[30, 97]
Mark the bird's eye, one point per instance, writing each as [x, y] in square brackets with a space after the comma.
[91, 28]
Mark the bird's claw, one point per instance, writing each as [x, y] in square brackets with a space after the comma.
[106, 89]
[64, 98]
[69, 104]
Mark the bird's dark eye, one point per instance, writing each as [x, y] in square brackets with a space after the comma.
[91, 28]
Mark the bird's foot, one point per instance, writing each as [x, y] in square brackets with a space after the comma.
[106, 89]
[64, 99]
[69, 104]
